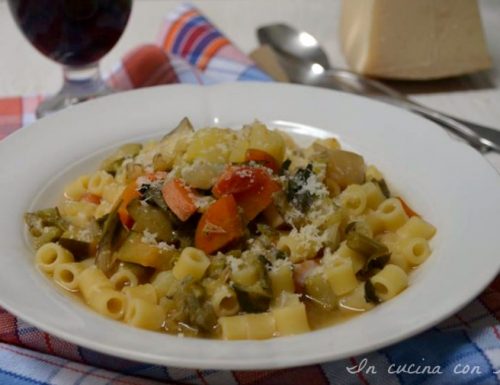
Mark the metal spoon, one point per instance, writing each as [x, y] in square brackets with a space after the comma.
[306, 62]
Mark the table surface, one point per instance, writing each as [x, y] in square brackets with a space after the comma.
[477, 97]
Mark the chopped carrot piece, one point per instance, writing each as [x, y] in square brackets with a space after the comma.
[261, 157]
[129, 194]
[408, 210]
[91, 198]
[219, 225]
[180, 198]
[252, 188]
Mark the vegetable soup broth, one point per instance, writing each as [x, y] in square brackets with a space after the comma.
[230, 234]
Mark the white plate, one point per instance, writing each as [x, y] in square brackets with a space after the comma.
[448, 183]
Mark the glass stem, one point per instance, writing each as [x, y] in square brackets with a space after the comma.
[83, 81]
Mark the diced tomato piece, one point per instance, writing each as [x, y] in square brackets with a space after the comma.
[180, 198]
[257, 198]
[235, 179]
[91, 198]
[219, 225]
[408, 210]
[252, 188]
[261, 157]
[129, 194]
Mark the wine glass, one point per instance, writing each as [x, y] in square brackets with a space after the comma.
[76, 34]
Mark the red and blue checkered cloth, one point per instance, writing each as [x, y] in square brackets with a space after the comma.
[465, 349]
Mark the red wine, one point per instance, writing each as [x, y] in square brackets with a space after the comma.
[72, 32]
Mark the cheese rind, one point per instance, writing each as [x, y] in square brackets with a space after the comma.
[415, 40]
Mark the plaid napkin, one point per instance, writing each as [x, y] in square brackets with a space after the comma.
[465, 349]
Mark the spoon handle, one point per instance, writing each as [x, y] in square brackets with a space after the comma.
[482, 138]
[464, 131]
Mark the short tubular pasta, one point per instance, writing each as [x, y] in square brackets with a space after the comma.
[356, 300]
[50, 255]
[260, 326]
[354, 199]
[98, 181]
[192, 262]
[112, 192]
[68, 274]
[291, 319]
[391, 214]
[145, 292]
[144, 314]
[358, 261]
[374, 196]
[416, 227]
[92, 280]
[165, 283]
[234, 327]
[340, 275]
[123, 277]
[389, 281]
[76, 189]
[108, 302]
[300, 245]
[414, 250]
[281, 277]
[224, 301]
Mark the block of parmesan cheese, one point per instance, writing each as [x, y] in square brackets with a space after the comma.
[413, 39]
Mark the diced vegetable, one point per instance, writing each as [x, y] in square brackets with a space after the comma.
[136, 250]
[262, 157]
[364, 245]
[91, 198]
[151, 219]
[370, 294]
[129, 194]
[193, 308]
[219, 225]
[256, 297]
[104, 257]
[210, 144]
[45, 226]
[173, 143]
[180, 198]
[408, 210]
[252, 188]
[296, 194]
[318, 289]
[151, 194]
[81, 243]
[261, 138]
[345, 168]
[273, 217]
[127, 151]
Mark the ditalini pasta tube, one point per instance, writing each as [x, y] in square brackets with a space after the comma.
[389, 282]
[192, 262]
[50, 255]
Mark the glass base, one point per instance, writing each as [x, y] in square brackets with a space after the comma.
[80, 84]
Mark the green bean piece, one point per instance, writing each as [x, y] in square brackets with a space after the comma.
[365, 245]
[370, 294]
[110, 232]
[193, 307]
[45, 226]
